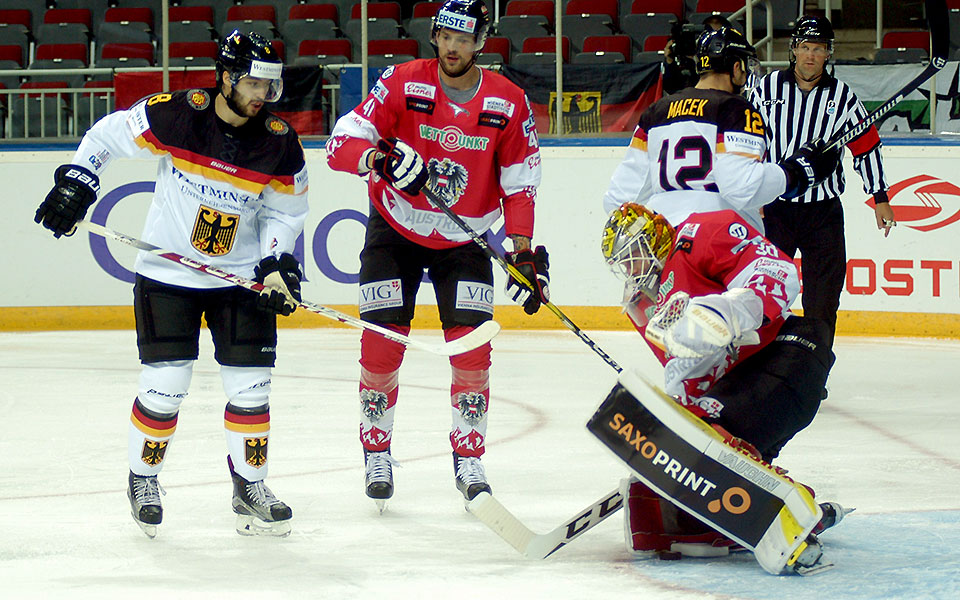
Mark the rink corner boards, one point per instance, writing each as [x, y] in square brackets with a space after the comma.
[596, 318]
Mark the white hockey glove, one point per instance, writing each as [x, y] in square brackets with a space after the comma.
[696, 327]
[401, 165]
[281, 281]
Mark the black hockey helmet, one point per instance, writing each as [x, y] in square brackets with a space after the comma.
[250, 54]
[468, 16]
[718, 50]
[810, 28]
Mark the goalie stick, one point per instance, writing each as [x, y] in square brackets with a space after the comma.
[541, 545]
[939, 25]
[516, 274]
[476, 338]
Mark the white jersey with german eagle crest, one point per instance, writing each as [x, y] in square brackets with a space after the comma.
[226, 196]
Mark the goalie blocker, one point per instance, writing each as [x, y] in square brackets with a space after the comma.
[687, 462]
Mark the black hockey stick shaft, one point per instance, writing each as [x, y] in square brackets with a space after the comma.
[476, 338]
[937, 19]
[516, 274]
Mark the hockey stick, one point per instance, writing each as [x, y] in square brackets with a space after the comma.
[541, 545]
[516, 274]
[476, 338]
[937, 20]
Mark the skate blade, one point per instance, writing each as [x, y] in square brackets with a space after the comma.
[814, 570]
[148, 529]
[381, 504]
[249, 525]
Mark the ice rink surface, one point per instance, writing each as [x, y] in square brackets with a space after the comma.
[885, 442]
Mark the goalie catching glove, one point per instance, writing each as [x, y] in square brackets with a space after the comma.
[533, 266]
[696, 327]
[401, 165]
[75, 189]
[281, 281]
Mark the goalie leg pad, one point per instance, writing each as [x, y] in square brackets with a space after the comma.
[683, 459]
[775, 393]
[652, 524]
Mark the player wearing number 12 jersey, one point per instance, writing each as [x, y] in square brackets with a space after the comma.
[701, 149]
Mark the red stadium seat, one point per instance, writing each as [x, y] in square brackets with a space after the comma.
[303, 12]
[17, 16]
[608, 43]
[906, 39]
[194, 49]
[532, 7]
[498, 45]
[594, 7]
[11, 52]
[547, 44]
[655, 43]
[129, 15]
[68, 15]
[426, 9]
[723, 6]
[670, 7]
[191, 13]
[118, 50]
[62, 52]
[248, 12]
[379, 10]
[338, 47]
[407, 46]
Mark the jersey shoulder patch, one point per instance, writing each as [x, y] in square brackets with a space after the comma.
[198, 99]
[276, 125]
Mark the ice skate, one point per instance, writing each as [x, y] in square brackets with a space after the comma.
[833, 513]
[379, 477]
[471, 480]
[144, 491]
[259, 512]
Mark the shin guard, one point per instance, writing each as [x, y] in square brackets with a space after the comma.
[469, 396]
[248, 437]
[380, 361]
[149, 435]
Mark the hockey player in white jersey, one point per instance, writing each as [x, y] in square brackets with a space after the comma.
[701, 149]
[231, 191]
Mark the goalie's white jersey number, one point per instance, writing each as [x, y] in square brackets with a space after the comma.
[685, 163]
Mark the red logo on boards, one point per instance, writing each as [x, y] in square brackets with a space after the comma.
[924, 202]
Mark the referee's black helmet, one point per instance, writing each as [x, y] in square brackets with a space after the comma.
[718, 50]
[811, 28]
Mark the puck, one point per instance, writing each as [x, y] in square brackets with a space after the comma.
[670, 555]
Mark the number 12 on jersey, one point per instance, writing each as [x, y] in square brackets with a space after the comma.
[685, 164]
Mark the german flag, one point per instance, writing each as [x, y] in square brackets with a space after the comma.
[596, 98]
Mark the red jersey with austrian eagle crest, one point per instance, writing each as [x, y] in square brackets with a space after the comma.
[477, 153]
[226, 196]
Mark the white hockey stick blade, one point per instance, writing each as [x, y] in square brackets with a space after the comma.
[541, 545]
[476, 338]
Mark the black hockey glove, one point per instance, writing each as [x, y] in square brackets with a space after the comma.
[401, 165]
[533, 266]
[281, 280]
[75, 189]
[808, 166]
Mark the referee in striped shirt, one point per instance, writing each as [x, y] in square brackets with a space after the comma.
[800, 104]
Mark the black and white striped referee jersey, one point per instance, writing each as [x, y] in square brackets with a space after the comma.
[794, 118]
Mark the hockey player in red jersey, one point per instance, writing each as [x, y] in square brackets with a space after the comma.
[231, 191]
[470, 135]
[711, 298]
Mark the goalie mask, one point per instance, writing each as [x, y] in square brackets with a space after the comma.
[251, 55]
[636, 242]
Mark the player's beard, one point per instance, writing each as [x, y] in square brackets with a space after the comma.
[461, 72]
[241, 106]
